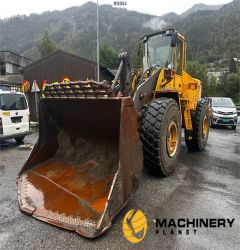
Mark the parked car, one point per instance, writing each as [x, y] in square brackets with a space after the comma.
[238, 110]
[224, 112]
[14, 116]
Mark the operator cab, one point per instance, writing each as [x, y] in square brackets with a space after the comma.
[164, 49]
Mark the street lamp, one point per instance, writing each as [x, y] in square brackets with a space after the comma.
[97, 42]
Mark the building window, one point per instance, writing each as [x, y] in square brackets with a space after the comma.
[2, 69]
[15, 68]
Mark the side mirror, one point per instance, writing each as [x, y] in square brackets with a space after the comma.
[174, 39]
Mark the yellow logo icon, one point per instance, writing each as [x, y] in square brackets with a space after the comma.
[135, 226]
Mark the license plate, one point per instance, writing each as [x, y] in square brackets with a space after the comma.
[16, 119]
[225, 120]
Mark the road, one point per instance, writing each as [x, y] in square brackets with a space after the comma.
[205, 185]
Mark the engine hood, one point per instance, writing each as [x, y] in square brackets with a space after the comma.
[224, 109]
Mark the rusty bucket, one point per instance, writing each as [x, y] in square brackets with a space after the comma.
[86, 164]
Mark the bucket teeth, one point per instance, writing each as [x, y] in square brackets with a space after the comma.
[79, 89]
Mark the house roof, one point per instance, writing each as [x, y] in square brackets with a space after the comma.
[55, 53]
[103, 67]
[11, 52]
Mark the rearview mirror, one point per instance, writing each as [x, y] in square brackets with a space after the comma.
[174, 39]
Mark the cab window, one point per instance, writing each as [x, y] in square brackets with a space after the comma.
[179, 60]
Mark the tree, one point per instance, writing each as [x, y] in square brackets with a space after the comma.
[212, 86]
[234, 87]
[199, 71]
[46, 46]
[136, 57]
[108, 56]
[230, 86]
[232, 66]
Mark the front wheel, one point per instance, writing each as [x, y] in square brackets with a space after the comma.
[161, 135]
[234, 127]
[200, 124]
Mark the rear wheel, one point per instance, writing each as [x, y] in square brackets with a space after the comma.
[19, 139]
[161, 135]
[200, 123]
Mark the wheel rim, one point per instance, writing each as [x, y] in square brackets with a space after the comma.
[172, 138]
[205, 126]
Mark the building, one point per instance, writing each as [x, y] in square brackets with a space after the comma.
[58, 65]
[217, 74]
[10, 67]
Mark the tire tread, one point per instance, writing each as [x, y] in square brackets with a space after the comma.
[150, 133]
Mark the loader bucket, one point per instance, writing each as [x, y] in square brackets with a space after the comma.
[86, 164]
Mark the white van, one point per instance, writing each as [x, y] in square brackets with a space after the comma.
[14, 116]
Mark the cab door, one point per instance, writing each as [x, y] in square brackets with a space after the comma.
[179, 63]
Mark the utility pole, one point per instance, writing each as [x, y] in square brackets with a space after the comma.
[98, 65]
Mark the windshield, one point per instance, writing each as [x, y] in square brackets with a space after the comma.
[12, 102]
[158, 52]
[223, 102]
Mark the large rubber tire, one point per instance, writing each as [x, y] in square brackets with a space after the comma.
[157, 118]
[199, 139]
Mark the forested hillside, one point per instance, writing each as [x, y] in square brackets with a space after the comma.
[211, 34]
[74, 30]
[200, 7]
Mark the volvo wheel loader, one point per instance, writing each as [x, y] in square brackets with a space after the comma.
[95, 137]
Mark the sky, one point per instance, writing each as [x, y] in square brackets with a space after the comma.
[154, 7]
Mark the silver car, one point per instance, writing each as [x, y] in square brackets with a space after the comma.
[224, 112]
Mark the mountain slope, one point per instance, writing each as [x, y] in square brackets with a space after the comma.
[211, 34]
[200, 7]
[74, 29]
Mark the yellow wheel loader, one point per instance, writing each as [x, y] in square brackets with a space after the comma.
[94, 138]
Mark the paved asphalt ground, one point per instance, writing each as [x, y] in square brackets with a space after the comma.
[205, 185]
